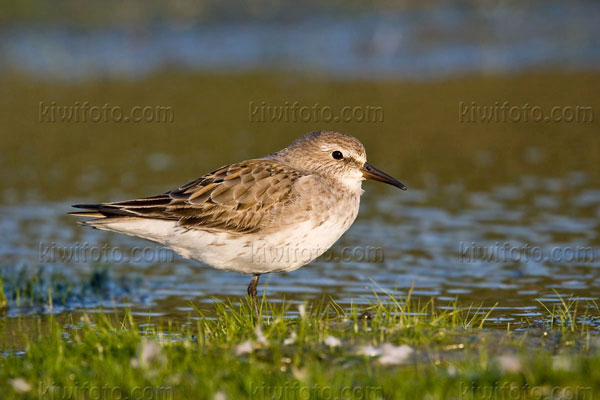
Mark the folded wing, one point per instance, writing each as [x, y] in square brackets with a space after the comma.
[238, 198]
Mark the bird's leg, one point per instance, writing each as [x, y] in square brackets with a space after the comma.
[252, 292]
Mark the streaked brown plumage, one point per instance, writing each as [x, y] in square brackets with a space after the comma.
[238, 198]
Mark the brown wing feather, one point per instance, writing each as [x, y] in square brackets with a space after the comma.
[237, 198]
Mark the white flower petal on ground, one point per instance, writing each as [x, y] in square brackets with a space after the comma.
[510, 363]
[332, 341]
[291, 339]
[20, 385]
[260, 337]
[243, 348]
[394, 355]
[302, 310]
[220, 396]
[300, 374]
[369, 351]
[150, 352]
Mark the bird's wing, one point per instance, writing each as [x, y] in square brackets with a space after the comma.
[238, 198]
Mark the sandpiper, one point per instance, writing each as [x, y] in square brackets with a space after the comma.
[242, 217]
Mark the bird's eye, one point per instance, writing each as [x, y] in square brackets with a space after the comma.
[337, 155]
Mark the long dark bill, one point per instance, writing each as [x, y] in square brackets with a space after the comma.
[370, 172]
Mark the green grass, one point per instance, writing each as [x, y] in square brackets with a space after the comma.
[320, 351]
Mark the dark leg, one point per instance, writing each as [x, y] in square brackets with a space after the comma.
[252, 292]
[252, 286]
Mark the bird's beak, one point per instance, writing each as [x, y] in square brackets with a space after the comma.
[370, 172]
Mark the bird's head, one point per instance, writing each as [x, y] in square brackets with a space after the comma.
[336, 156]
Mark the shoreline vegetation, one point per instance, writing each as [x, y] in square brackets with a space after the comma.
[398, 347]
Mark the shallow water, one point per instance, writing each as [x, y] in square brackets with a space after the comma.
[497, 185]
[398, 41]
[435, 250]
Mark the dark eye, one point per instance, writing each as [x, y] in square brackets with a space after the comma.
[337, 155]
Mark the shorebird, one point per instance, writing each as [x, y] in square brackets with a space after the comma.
[270, 214]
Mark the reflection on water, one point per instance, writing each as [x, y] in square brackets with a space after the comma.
[435, 42]
[421, 243]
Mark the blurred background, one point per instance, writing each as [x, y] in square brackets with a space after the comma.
[202, 83]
